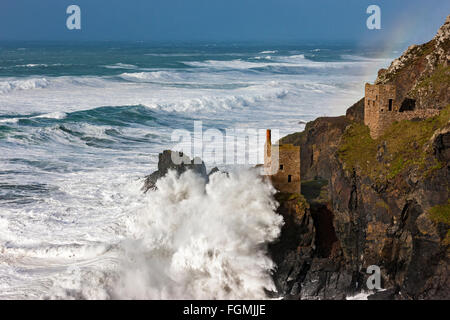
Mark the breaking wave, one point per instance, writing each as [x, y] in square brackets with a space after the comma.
[186, 240]
[27, 84]
[121, 66]
[214, 104]
[201, 241]
[165, 76]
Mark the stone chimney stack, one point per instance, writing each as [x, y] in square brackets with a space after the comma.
[268, 151]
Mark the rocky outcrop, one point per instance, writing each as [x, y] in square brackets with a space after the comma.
[165, 164]
[422, 73]
[356, 112]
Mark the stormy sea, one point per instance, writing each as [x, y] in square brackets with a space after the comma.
[82, 124]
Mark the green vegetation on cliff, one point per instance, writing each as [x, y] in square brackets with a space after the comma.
[438, 80]
[441, 214]
[298, 199]
[315, 191]
[401, 147]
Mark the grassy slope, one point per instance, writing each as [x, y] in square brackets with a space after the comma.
[405, 143]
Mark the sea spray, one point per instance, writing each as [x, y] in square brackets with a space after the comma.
[198, 240]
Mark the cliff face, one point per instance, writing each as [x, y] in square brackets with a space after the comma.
[293, 252]
[317, 143]
[385, 199]
[390, 202]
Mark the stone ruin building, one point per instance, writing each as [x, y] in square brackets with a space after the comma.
[282, 165]
[382, 108]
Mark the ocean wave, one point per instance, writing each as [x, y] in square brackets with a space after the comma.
[169, 244]
[121, 66]
[38, 65]
[159, 76]
[63, 251]
[226, 64]
[27, 84]
[263, 58]
[197, 240]
[53, 115]
[292, 61]
[10, 120]
[214, 104]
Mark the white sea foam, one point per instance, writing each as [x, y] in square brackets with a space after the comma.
[215, 104]
[38, 65]
[32, 65]
[298, 60]
[360, 296]
[53, 115]
[186, 240]
[227, 64]
[9, 120]
[26, 84]
[165, 76]
[197, 241]
[121, 66]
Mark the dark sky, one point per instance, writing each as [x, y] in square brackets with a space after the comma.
[222, 20]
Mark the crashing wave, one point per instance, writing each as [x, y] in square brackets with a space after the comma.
[27, 84]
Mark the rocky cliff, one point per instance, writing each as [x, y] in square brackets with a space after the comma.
[381, 202]
[422, 73]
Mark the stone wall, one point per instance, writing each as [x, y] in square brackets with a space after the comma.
[381, 109]
[416, 114]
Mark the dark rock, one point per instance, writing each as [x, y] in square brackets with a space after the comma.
[326, 280]
[441, 145]
[317, 143]
[293, 251]
[356, 112]
[213, 170]
[165, 164]
[388, 294]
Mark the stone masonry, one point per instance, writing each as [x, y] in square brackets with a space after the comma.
[382, 108]
[284, 173]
